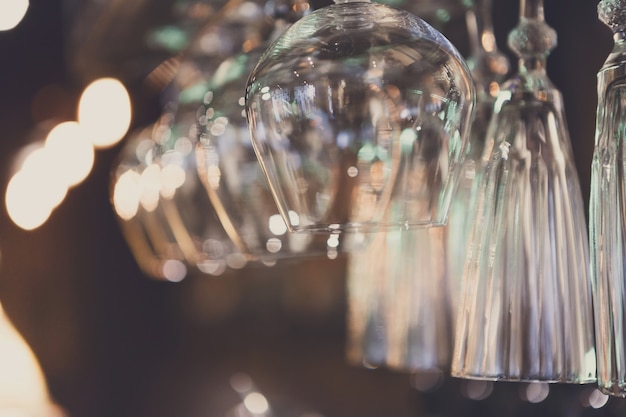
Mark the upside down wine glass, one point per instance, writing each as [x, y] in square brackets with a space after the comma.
[607, 208]
[526, 313]
[358, 114]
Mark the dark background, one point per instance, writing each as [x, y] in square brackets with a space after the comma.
[114, 342]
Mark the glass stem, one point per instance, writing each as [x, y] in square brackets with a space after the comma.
[533, 39]
[532, 9]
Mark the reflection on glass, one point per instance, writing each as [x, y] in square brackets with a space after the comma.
[526, 313]
[489, 67]
[607, 209]
[359, 111]
[399, 305]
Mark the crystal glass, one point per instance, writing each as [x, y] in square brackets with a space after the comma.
[607, 208]
[526, 313]
[399, 309]
[358, 113]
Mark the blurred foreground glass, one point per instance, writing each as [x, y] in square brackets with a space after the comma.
[359, 113]
[526, 314]
[607, 208]
[399, 302]
[171, 221]
[163, 211]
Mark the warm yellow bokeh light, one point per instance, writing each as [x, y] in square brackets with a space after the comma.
[126, 194]
[23, 390]
[172, 177]
[45, 179]
[150, 187]
[104, 110]
[70, 152]
[24, 202]
[11, 13]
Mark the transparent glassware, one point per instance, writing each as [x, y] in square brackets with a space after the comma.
[360, 112]
[234, 180]
[489, 67]
[607, 208]
[166, 219]
[526, 312]
[441, 14]
[399, 309]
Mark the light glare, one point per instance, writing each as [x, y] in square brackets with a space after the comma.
[126, 194]
[536, 392]
[256, 403]
[24, 205]
[70, 152]
[597, 399]
[104, 110]
[277, 225]
[11, 13]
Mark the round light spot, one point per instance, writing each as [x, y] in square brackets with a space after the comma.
[11, 13]
[104, 110]
[256, 403]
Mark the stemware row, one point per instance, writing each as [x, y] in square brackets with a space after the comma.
[359, 128]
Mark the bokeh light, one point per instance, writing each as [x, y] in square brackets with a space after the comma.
[11, 13]
[23, 203]
[256, 403]
[126, 194]
[104, 110]
[476, 390]
[535, 392]
[70, 152]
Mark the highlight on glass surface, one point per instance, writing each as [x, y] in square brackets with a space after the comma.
[526, 313]
[359, 112]
[165, 216]
[399, 302]
[489, 67]
[607, 208]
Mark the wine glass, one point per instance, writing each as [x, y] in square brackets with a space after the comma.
[606, 208]
[526, 313]
[358, 113]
